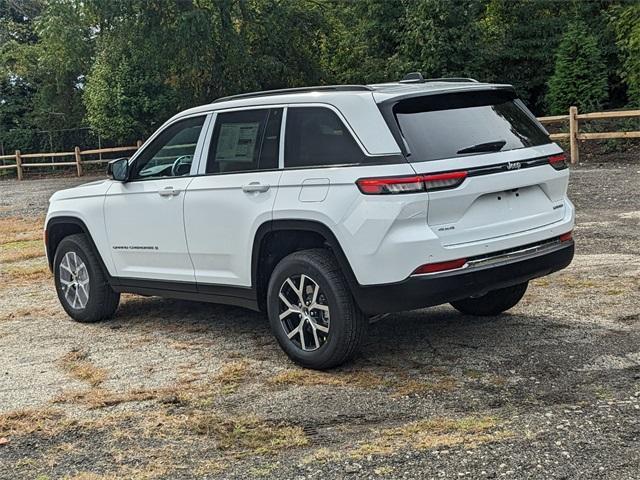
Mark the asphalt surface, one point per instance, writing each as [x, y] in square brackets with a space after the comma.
[172, 389]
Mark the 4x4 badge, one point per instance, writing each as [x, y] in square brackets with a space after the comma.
[513, 165]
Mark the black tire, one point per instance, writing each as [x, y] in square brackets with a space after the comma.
[102, 300]
[347, 324]
[492, 303]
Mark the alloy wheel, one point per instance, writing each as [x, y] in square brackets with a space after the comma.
[74, 280]
[304, 312]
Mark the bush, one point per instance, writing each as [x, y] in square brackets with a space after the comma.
[580, 75]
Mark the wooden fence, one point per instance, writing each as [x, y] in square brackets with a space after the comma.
[573, 136]
[76, 159]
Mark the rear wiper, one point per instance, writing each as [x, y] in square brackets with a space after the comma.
[494, 146]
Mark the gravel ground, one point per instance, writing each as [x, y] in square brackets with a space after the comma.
[172, 389]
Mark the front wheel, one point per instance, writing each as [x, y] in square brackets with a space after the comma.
[492, 303]
[82, 287]
[312, 312]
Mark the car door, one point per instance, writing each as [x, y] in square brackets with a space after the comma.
[234, 195]
[144, 216]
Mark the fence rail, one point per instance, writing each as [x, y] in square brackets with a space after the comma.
[573, 136]
[77, 161]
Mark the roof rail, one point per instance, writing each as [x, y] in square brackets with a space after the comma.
[285, 91]
[416, 77]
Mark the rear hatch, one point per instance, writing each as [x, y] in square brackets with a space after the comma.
[509, 186]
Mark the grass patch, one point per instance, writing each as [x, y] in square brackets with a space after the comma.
[77, 364]
[417, 387]
[29, 421]
[14, 229]
[231, 375]
[431, 434]
[21, 250]
[243, 435]
[301, 377]
[16, 274]
[400, 385]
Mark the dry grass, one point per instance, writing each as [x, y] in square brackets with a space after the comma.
[238, 436]
[231, 375]
[147, 472]
[32, 311]
[301, 377]
[29, 421]
[187, 390]
[15, 229]
[433, 433]
[21, 250]
[400, 385]
[20, 274]
[77, 364]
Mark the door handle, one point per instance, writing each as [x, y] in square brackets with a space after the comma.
[255, 187]
[168, 192]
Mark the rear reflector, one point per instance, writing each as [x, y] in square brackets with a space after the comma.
[559, 162]
[413, 184]
[440, 267]
[565, 237]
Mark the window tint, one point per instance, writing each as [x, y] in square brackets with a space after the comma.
[244, 141]
[451, 125]
[171, 153]
[316, 136]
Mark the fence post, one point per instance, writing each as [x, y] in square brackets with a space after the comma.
[139, 143]
[19, 164]
[76, 150]
[573, 135]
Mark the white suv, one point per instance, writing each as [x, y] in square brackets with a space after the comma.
[324, 206]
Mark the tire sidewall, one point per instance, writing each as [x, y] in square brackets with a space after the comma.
[290, 267]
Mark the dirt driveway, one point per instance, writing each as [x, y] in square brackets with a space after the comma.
[172, 389]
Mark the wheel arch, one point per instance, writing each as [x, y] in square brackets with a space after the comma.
[315, 234]
[57, 228]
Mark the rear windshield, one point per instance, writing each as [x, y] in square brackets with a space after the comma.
[469, 123]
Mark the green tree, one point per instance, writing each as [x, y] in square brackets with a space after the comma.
[580, 76]
[444, 39]
[626, 22]
[364, 41]
[520, 42]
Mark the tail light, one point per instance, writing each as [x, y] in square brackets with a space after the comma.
[565, 237]
[383, 186]
[413, 184]
[440, 181]
[440, 266]
[559, 162]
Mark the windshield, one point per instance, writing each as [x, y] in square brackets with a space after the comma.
[467, 123]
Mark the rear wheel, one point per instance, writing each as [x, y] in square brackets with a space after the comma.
[493, 302]
[81, 285]
[312, 313]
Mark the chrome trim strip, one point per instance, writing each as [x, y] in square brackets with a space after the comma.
[504, 258]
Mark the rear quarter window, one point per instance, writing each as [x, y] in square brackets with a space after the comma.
[316, 136]
[458, 124]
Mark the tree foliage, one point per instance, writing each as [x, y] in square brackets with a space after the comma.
[580, 75]
[626, 22]
[122, 68]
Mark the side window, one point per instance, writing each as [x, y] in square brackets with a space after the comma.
[315, 136]
[244, 141]
[171, 153]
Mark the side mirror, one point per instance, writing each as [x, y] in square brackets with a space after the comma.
[118, 169]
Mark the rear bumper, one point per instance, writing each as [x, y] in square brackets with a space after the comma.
[422, 291]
